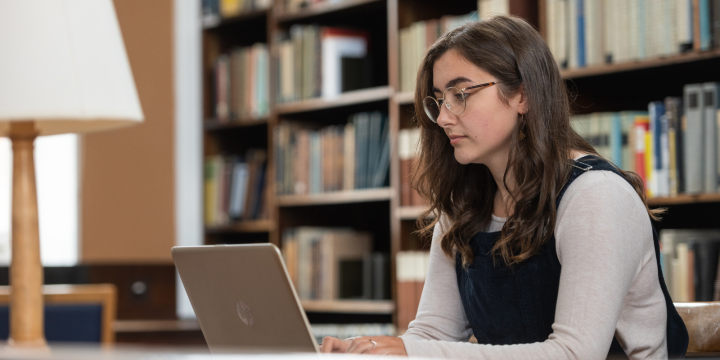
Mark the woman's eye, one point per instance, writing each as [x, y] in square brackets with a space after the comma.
[460, 96]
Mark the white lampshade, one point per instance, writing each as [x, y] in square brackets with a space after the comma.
[63, 65]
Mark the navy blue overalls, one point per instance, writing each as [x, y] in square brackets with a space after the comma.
[517, 306]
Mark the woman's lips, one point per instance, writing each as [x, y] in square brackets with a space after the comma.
[454, 139]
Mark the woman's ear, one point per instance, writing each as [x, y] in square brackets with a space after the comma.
[522, 105]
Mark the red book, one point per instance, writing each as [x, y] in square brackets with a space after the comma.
[642, 126]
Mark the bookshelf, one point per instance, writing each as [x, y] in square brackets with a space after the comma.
[338, 197]
[608, 87]
[356, 97]
[349, 306]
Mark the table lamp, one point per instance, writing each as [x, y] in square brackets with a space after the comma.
[63, 69]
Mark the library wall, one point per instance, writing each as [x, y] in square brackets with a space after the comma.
[127, 204]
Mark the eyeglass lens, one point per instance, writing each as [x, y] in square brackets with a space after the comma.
[453, 99]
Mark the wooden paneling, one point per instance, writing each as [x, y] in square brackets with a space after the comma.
[127, 205]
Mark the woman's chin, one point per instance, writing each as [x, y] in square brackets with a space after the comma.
[462, 159]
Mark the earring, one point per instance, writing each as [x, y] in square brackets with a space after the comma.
[522, 121]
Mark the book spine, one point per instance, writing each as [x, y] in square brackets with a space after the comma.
[693, 140]
[581, 52]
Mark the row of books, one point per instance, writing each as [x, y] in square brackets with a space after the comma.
[689, 261]
[333, 158]
[235, 188]
[411, 268]
[674, 146]
[344, 331]
[214, 10]
[408, 148]
[415, 39]
[335, 263]
[241, 80]
[593, 32]
[314, 61]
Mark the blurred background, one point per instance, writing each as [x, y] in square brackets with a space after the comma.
[292, 122]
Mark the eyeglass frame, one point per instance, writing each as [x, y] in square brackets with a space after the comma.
[462, 91]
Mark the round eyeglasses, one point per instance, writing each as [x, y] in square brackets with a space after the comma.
[453, 99]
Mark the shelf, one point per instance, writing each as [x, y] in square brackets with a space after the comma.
[216, 21]
[349, 306]
[322, 8]
[684, 199]
[345, 99]
[640, 64]
[410, 212]
[249, 226]
[337, 197]
[127, 326]
[405, 98]
[214, 124]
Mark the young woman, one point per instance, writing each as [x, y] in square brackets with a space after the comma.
[540, 244]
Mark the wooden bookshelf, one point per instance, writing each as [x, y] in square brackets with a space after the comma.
[130, 326]
[405, 98]
[349, 98]
[640, 64]
[684, 199]
[337, 197]
[349, 306]
[322, 9]
[210, 22]
[215, 125]
[249, 226]
[410, 212]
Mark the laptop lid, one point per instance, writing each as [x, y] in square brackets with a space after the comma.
[243, 298]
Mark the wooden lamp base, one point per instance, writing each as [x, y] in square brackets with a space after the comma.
[26, 273]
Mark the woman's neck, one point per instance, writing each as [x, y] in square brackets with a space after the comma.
[503, 204]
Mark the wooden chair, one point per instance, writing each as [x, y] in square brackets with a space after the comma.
[104, 295]
[702, 320]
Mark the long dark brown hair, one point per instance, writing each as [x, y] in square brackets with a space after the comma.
[512, 51]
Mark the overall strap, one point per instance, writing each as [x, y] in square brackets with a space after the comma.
[677, 335]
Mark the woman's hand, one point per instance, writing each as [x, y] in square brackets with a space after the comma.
[373, 345]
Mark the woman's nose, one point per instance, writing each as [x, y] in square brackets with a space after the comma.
[445, 117]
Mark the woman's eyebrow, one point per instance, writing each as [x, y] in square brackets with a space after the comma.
[453, 82]
[457, 80]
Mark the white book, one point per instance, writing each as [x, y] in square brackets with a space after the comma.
[334, 48]
[573, 30]
[286, 71]
[238, 194]
[561, 33]
[610, 29]
[693, 143]
[664, 173]
[551, 27]
[623, 32]
[593, 13]
[633, 22]
[670, 28]
[683, 18]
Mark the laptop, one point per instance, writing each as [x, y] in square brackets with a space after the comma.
[243, 298]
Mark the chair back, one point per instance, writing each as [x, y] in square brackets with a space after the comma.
[84, 313]
[702, 320]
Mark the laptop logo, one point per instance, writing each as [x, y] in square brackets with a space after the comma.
[244, 312]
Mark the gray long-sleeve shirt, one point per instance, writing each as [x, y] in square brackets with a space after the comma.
[608, 284]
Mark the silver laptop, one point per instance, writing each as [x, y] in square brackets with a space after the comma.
[243, 298]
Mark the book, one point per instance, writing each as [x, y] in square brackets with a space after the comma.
[693, 151]
[705, 261]
[710, 95]
[338, 44]
[328, 263]
[675, 247]
[642, 126]
[411, 270]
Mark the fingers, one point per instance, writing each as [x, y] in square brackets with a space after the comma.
[333, 345]
[360, 346]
